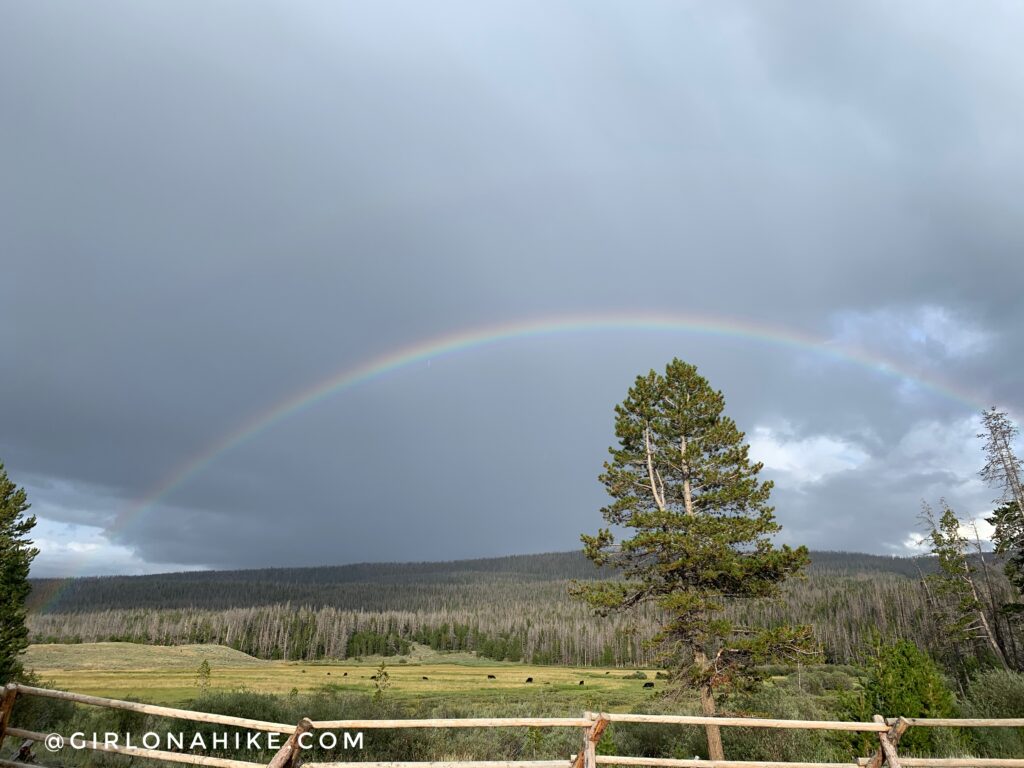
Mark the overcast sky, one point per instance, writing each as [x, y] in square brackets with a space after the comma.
[207, 208]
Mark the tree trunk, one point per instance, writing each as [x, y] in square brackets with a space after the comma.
[714, 733]
[990, 590]
[986, 629]
[1010, 464]
[1014, 653]
[687, 490]
[659, 498]
[707, 708]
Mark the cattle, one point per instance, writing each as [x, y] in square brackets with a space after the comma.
[373, 677]
[328, 674]
[648, 685]
[529, 679]
[491, 677]
[581, 682]
[425, 677]
[344, 675]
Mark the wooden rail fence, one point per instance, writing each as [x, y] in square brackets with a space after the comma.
[592, 725]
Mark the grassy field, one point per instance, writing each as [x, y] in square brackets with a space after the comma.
[167, 675]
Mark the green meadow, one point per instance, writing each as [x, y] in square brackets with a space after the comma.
[458, 684]
[168, 675]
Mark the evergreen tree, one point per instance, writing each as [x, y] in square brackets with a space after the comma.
[958, 604]
[902, 681]
[1003, 470]
[203, 675]
[1008, 539]
[381, 682]
[16, 554]
[682, 483]
[1002, 467]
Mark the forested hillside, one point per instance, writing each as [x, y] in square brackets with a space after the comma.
[513, 608]
[370, 586]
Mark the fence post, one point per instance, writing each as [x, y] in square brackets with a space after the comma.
[6, 705]
[587, 758]
[582, 754]
[285, 757]
[887, 742]
[897, 730]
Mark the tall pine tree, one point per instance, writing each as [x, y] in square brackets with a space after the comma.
[958, 606]
[1008, 538]
[1003, 469]
[699, 536]
[16, 554]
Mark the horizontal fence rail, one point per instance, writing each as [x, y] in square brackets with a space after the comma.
[457, 722]
[747, 722]
[953, 722]
[152, 709]
[450, 764]
[592, 724]
[671, 763]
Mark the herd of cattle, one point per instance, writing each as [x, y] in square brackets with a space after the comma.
[492, 677]
[529, 680]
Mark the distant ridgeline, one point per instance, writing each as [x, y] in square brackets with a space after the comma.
[507, 608]
[365, 585]
[358, 586]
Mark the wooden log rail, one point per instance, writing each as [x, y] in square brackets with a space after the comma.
[748, 722]
[152, 709]
[696, 763]
[459, 722]
[963, 722]
[592, 725]
[454, 764]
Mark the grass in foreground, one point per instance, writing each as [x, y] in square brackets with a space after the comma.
[454, 687]
[458, 685]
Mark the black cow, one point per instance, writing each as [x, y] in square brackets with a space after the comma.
[581, 682]
[425, 677]
[491, 677]
[529, 679]
[648, 685]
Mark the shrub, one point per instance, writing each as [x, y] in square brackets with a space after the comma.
[777, 744]
[902, 680]
[36, 714]
[654, 740]
[996, 694]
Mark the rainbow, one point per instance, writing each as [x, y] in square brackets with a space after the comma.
[476, 338]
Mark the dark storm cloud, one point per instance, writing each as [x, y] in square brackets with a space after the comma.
[205, 210]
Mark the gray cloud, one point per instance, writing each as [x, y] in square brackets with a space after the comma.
[205, 211]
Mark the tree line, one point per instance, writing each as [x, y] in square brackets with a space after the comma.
[374, 586]
[522, 621]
